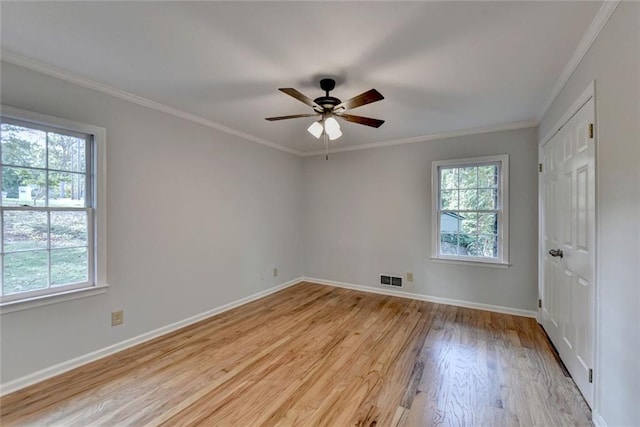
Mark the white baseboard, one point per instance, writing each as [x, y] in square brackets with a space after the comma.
[421, 297]
[63, 367]
[597, 419]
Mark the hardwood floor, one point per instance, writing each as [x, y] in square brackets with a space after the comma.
[314, 355]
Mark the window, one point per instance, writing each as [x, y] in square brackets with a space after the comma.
[470, 209]
[51, 241]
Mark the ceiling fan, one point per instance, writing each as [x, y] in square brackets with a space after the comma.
[329, 107]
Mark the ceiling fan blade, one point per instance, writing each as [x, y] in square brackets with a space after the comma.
[367, 121]
[358, 101]
[300, 96]
[294, 116]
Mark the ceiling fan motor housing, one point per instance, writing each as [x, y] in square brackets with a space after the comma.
[327, 102]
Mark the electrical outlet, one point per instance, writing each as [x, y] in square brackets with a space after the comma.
[117, 317]
[409, 277]
[275, 272]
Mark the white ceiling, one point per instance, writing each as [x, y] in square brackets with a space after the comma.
[442, 66]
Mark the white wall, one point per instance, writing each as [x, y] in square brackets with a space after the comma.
[369, 212]
[614, 63]
[195, 218]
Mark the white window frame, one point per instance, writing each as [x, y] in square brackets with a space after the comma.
[502, 259]
[97, 283]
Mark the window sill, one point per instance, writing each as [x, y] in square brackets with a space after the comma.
[491, 264]
[39, 301]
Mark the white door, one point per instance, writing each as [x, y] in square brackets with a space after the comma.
[568, 257]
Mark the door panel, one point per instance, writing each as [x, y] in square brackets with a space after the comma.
[567, 210]
[568, 189]
[554, 296]
[582, 226]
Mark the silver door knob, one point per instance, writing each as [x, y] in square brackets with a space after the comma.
[556, 252]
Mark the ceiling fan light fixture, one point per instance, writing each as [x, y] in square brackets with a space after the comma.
[316, 129]
[335, 134]
[332, 127]
[331, 124]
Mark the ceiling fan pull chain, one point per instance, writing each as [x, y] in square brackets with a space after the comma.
[326, 146]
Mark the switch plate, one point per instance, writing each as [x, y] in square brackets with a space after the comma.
[275, 272]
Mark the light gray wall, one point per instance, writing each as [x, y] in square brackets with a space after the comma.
[369, 212]
[614, 63]
[195, 218]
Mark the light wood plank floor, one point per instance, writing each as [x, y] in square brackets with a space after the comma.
[314, 355]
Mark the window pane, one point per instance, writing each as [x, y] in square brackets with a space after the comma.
[66, 189]
[24, 271]
[23, 146]
[450, 222]
[23, 187]
[448, 179]
[66, 152]
[449, 244]
[468, 200]
[488, 245]
[24, 230]
[68, 229]
[487, 199]
[449, 199]
[488, 176]
[473, 246]
[468, 177]
[483, 246]
[469, 223]
[488, 223]
[68, 266]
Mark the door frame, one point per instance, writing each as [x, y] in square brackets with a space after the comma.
[587, 94]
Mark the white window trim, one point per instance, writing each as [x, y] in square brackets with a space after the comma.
[99, 209]
[503, 233]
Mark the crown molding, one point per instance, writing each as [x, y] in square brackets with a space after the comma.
[599, 21]
[31, 64]
[430, 137]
